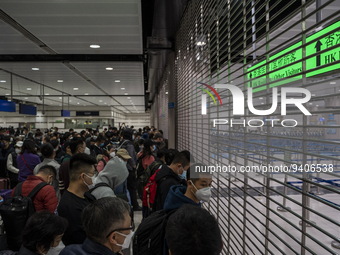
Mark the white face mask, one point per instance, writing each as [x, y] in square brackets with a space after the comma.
[202, 194]
[112, 154]
[127, 240]
[17, 150]
[93, 178]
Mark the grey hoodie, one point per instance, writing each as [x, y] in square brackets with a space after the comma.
[114, 173]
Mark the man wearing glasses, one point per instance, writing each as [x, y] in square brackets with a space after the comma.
[108, 226]
[82, 174]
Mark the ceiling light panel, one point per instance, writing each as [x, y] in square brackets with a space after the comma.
[49, 74]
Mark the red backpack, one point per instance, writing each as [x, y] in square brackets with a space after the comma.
[150, 189]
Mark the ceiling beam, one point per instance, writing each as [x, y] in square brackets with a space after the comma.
[71, 57]
[79, 96]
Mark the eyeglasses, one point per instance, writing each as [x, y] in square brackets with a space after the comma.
[132, 228]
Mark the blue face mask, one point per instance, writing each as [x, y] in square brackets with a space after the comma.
[183, 175]
[154, 147]
[102, 144]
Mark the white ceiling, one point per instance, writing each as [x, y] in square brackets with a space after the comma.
[70, 27]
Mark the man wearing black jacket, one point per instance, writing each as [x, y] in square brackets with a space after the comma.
[169, 176]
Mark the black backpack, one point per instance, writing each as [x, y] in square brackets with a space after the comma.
[15, 213]
[149, 238]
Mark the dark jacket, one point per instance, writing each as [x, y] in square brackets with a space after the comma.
[176, 198]
[165, 178]
[89, 247]
[24, 251]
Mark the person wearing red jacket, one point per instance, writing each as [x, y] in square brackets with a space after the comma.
[46, 198]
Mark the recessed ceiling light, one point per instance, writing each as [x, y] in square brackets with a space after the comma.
[317, 105]
[261, 98]
[117, 80]
[122, 88]
[47, 94]
[262, 103]
[60, 81]
[310, 103]
[35, 68]
[105, 103]
[7, 94]
[75, 88]
[94, 46]
[70, 100]
[332, 83]
[100, 101]
[109, 68]
[2, 81]
[126, 94]
[86, 94]
[26, 97]
[166, 92]
[78, 103]
[29, 88]
[129, 98]
[60, 98]
[9, 100]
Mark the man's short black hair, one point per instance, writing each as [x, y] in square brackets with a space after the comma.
[48, 170]
[193, 230]
[100, 138]
[157, 135]
[103, 216]
[41, 230]
[189, 156]
[181, 158]
[80, 163]
[55, 143]
[47, 150]
[74, 143]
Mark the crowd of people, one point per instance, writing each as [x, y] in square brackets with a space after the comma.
[94, 181]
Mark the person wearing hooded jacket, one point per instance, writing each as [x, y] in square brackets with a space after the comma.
[114, 174]
[198, 190]
[169, 176]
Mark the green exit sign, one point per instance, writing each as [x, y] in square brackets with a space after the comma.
[321, 41]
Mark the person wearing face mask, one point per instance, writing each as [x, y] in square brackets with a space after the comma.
[97, 148]
[198, 190]
[169, 176]
[12, 167]
[46, 198]
[48, 154]
[114, 175]
[82, 174]
[42, 233]
[108, 226]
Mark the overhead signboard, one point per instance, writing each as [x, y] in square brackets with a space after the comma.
[7, 106]
[87, 113]
[290, 60]
[27, 109]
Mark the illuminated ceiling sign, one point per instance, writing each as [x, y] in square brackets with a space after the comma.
[289, 61]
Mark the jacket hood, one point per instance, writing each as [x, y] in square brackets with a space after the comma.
[114, 173]
[176, 198]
